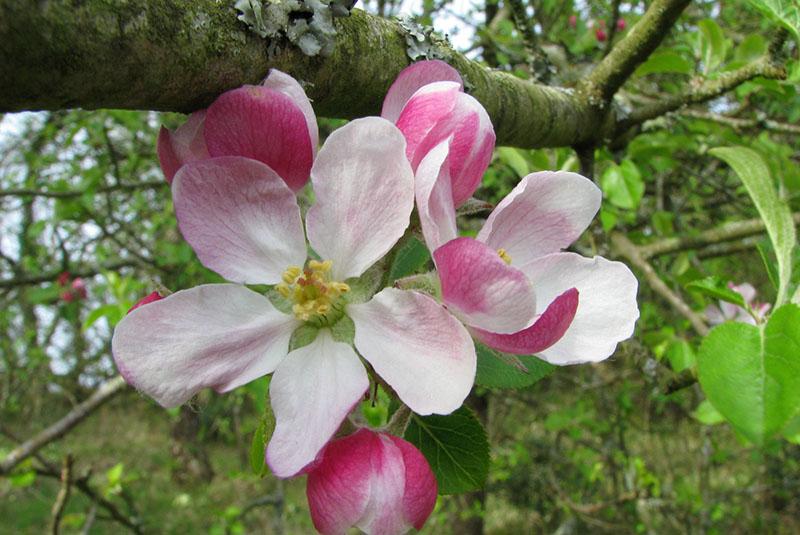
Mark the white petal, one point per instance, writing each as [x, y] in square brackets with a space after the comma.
[607, 309]
[416, 346]
[312, 392]
[364, 191]
[216, 335]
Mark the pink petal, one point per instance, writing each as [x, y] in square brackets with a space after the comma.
[746, 290]
[437, 214]
[217, 335]
[364, 195]
[543, 214]
[607, 309]
[416, 346]
[186, 144]
[280, 81]
[240, 218]
[263, 124]
[545, 331]
[377, 482]
[421, 488]
[412, 78]
[312, 392]
[149, 298]
[482, 289]
[435, 113]
[715, 315]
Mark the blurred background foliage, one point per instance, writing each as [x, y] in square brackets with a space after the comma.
[87, 228]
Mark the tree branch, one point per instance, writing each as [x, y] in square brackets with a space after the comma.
[723, 233]
[70, 194]
[62, 496]
[740, 124]
[106, 391]
[53, 275]
[624, 247]
[705, 91]
[178, 55]
[632, 50]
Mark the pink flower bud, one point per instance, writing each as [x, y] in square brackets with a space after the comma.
[79, 288]
[374, 481]
[63, 278]
[621, 24]
[67, 296]
[573, 21]
[149, 298]
[600, 34]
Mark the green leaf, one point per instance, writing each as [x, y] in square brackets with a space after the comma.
[792, 430]
[514, 159]
[752, 47]
[712, 45]
[111, 312]
[409, 258]
[496, 372]
[777, 217]
[623, 185]
[455, 446]
[752, 374]
[257, 448]
[705, 413]
[665, 61]
[784, 12]
[681, 355]
[715, 287]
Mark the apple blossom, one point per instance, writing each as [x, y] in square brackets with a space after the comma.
[272, 123]
[567, 308]
[242, 219]
[375, 481]
[428, 104]
[730, 312]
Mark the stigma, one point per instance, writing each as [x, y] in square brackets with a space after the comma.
[311, 291]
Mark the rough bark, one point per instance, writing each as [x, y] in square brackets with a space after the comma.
[178, 55]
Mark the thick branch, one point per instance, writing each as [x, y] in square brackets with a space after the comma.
[624, 247]
[723, 233]
[178, 55]
[633, 49]
[61, 427]
[706, 91]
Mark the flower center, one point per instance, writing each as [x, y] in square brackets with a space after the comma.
[311, 290]
[504, 255]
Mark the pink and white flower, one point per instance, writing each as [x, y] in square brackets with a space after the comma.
[377, 482]
[272, 123]
[514, 286]
[730, 312]
[428, 104]
[242, 219]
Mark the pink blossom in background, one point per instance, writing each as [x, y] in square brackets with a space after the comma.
[374, 481]
[513, 285]
[429, 105]
[730, 312]
[242, 219]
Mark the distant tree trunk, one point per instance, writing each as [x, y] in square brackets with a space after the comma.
[192, 460]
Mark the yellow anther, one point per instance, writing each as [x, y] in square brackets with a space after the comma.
[504, 255]
[311, 290]
[291, 274]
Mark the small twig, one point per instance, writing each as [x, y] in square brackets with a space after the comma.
[624, 247]
[741, 124]
[612, 27]
[89, 271]
[89, 522]
[727, 232]
[106, 391]
[71, 194]
[62, 496]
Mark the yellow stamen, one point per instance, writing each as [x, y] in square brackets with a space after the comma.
[311, 290]
[505, 256]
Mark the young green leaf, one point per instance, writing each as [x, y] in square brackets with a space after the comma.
[410, 258]
[752, 374]
[455, 446]
[495, 372]
[715, 287]
[755, 175]
[785, 12]
[713, 45]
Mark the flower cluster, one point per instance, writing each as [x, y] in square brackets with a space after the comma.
[236, 169]
[753, 313]
[73, 289]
